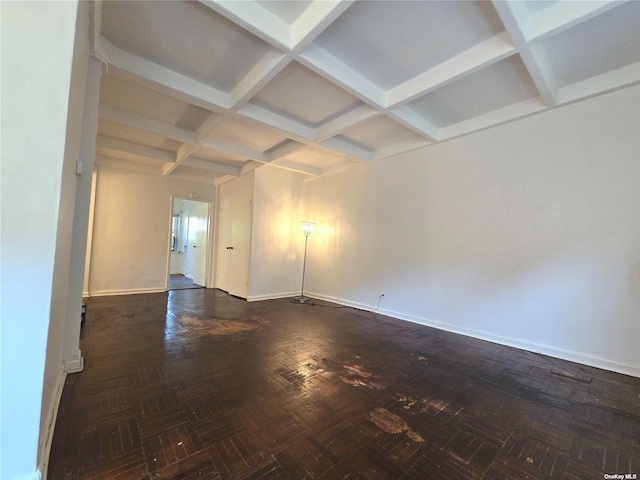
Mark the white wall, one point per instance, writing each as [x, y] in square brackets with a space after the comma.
[37, 206]
[527, 234]
[276, 240]
[132, 228]
[85, 128]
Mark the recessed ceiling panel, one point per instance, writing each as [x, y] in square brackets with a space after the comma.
[193, 117]
[535, 6]
[247, 135]
[315, 157]
[392, 42]
[301, 95]
[378, 133]
[286, 10]
[286, 96]
[218, 157]
[613, 41]
[497, 86]
[117, 131]
[186, 37]
[120, 94]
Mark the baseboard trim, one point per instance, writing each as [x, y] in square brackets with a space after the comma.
[570, 355]
[132, 291]
[52, 415]
[271, 296]
[85, 294]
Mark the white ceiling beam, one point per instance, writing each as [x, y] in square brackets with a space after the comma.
[564, 15]
[181, 156]
[348, 120]
[335, 143]
[234, 149]
[105, 161]
[95, 45]
[606, 82]
[333, 69]
[415, 122]
[491, 119]
[147, 74]
[262, 73]
[212, 166]
[205, 130]
[256, 19]
[166, 81]
[297, 167]
[268, 117]
[398, 148]
[146, 124]
[511, 14]
[284, 150]
[315, 20]
[112, 144]
[486, 53]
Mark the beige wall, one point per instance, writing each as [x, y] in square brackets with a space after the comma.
[38, 194]
[132, 227]
[276, 241]
[527, 234]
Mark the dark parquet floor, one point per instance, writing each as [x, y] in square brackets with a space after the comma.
[196, 384]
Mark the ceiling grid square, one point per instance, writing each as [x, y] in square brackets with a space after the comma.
[209, 89]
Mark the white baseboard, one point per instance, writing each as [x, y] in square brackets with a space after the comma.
[342, 301]
[85, 294]
[271, 296]
[571, 355]
[132, 291]
[50, 423]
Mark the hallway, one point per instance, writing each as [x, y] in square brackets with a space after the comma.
[180, 282]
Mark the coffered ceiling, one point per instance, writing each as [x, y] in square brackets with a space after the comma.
[209, 89]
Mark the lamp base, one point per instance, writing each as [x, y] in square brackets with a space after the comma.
[300, 300]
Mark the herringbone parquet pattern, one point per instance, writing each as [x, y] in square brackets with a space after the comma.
[195, 384]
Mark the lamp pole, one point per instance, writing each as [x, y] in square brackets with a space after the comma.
[304, 267]
[307, 228]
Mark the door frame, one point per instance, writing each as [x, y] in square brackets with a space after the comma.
[208, 267]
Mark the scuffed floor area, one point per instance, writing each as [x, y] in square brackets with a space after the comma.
[196, 384]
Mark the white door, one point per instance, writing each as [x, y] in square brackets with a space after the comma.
[189, 240]
[196, 221]
[224, 241]
[198, 227]
[233, 245]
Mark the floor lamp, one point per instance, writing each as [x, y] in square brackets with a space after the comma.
[307, 228]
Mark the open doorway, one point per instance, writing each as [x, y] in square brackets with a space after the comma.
[189, 244]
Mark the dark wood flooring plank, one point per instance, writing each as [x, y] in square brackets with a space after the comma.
[196, 384]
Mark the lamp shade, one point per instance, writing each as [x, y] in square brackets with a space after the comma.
[307, 227]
